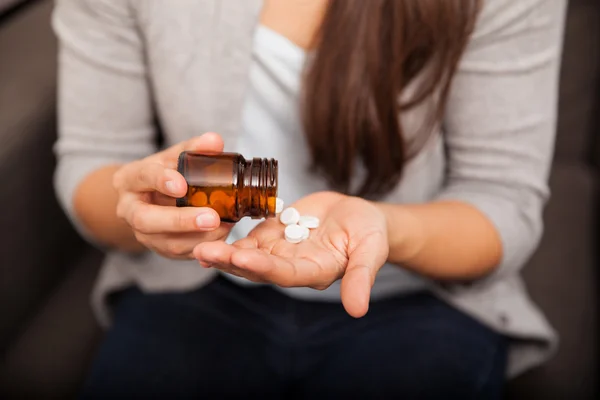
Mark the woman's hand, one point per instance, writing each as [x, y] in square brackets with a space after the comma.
[350, 243]
[147, 191]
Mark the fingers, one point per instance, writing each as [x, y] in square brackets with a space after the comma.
[153, 219]
[363, 264]
[248, 242]
[226, 257]
[259, 266]
[180, 246]
[218, 255]
[284, 272]
[258, 262]
[157, 172]
[208, 143]
[145, 176]
[214, 252]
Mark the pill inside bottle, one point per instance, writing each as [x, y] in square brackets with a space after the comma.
[231, 185]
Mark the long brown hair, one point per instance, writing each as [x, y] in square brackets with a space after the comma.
[366, 54]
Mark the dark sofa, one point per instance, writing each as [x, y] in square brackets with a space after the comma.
[47, 333]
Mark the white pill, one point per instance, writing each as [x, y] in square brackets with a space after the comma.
[306, 232]
[289, 216]
[278, 206]
[309, 221]
[294, 233]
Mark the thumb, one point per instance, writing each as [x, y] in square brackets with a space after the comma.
[207, 143]
[364, 262]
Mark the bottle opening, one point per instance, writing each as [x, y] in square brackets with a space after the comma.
[261, 175]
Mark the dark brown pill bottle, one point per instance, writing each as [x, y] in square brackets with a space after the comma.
[229, 184]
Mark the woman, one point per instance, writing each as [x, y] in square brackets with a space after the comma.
[420, 132]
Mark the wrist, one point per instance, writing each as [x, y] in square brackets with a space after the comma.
[405, 231]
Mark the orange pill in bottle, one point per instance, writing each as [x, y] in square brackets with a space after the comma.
[200, 199]
[229, 184]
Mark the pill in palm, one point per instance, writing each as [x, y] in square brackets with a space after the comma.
[306, 232]
[309, 221]
[289, 216]
[278, 206]
[294, 233]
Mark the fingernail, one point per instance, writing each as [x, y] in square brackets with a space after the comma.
[171, 186]
[206, 220]
[204, 264]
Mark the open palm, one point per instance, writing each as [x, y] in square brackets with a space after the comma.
[350, 243]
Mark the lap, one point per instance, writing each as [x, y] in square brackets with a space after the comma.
[227, 341]
[411, 347]
[179, 346]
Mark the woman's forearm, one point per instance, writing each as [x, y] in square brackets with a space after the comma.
[95, 203]
[442, 240]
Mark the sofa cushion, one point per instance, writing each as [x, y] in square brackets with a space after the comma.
[561, 279]
[7, 5]
[51, 356]
[37, 239]
[579, 111]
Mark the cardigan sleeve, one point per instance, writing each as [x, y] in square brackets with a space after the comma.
[105, 113]
[500, 121]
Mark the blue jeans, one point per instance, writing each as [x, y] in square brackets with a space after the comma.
[228, 341]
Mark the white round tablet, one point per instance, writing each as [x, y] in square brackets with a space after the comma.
[309, 221]
[306, 232]
[294, 233]
[289, 216]
[278, 205]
